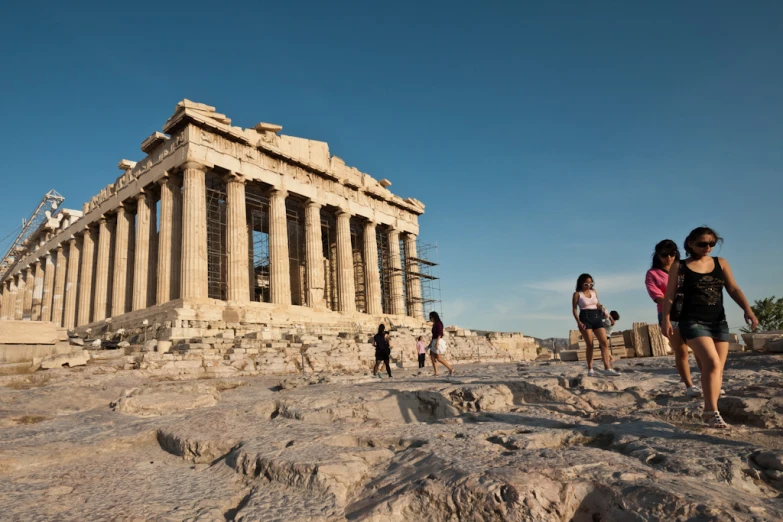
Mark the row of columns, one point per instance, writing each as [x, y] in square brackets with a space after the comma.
[73, 288]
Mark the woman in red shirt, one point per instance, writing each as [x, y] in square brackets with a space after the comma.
[666, 253]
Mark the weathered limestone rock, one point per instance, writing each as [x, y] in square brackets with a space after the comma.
[68, 359]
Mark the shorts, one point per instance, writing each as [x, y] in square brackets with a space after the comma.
[660, 321]
[592, 319]
[692, 329]
[382, 356]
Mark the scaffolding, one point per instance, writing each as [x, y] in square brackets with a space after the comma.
[425, 267]
[217, 269]
[46, 209]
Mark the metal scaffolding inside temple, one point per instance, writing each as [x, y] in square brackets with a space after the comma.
[424, 267]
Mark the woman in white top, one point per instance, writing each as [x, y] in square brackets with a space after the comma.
[590, 319]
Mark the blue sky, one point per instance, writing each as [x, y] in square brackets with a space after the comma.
[546, 139]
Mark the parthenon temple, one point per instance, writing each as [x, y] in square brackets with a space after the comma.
[222, 224]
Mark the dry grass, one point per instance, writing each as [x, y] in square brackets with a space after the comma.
[38, 380]
[30, 419]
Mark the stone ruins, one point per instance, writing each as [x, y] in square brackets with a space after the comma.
[222, 240]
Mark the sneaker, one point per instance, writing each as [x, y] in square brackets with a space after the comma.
[693, 391]
[591, 373]
[380, 376]
[611, 373]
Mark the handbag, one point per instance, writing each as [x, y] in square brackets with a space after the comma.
[679, 298]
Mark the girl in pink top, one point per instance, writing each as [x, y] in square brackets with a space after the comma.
[421, 348]
[666, 253]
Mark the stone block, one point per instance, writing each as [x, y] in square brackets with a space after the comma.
[72, 359]
[164, 346]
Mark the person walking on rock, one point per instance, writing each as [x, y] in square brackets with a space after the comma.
[438, 344]
[589, 320]
[382, 344]
[657, 278]
[421, 350]
[702, 319]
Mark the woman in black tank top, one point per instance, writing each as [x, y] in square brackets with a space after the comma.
[703, 319]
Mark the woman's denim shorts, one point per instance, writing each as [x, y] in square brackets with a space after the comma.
[692, 330]
[592, 319]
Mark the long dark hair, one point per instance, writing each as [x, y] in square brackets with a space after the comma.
[667, 246]
[435, 316]
[694, 235]
[581, 279]
[381, 328]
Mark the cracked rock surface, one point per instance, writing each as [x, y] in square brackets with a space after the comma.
[537, 441]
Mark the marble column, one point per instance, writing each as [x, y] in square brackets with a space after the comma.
[38, 286]
[314, 252]
[163, 291]
[85, 277]
[12, 298]
[413, 281]
[6, 291]
[346, 288]
[237, 239]
[48, 288]
[142, 254]
[100, 308]
[280, 276]
[372, 274]
[395, 263]
[21, 296]
[152, 258]
[59, 287]
[71, 284]
[176, 234]
[121, 249]
[194, 232]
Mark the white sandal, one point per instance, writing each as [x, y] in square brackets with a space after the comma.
[713, 420]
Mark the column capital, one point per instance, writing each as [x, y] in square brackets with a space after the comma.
[195, 165]
[280, 192]
[102, 220]
[169, 176]
[233, 177]
[313, 204]
[343, 212]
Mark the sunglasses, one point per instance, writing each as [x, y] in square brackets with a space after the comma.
[588, 285]
[666, 255]
[705, 244]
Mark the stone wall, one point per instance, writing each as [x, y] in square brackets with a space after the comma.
[290, 350]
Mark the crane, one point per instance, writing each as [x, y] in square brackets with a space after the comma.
[46, 209]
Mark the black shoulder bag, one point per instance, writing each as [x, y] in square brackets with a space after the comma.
[679, 298]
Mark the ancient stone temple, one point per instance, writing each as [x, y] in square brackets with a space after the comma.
[223, 225]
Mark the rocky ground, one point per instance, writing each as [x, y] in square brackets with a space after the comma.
[533, 442]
